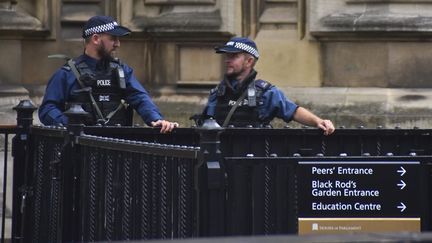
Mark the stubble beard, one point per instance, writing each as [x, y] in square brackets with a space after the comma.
[234, 74]
[105, 56]
[104, 53]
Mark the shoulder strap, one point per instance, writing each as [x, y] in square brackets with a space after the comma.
[75, 71]
[72, 65]
[231, 112]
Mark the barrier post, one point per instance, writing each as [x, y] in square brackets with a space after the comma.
[210, 182]
[20, 153]
[76, 116]
[71, 176]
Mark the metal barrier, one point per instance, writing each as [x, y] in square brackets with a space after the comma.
[291, 142]
[5, 131]
[78, 184]
[93, 188]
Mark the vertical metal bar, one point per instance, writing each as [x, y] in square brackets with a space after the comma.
[323, 146]
[39, 175]
[179, 201]
[93, 197]
[268, 226]
[126, 198]
[109, 197]
[165, 214]
[176, 197]
[185, 199]
[146, 195]
[54, 198]
[155, 204]
[4, 187]
[267, 189]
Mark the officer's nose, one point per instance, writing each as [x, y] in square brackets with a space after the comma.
[117, 42]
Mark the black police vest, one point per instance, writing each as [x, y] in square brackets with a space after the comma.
[106, 91]
[246, 113]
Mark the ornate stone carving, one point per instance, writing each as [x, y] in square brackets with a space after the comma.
[371, 18]
[180, 16]
[13, 17]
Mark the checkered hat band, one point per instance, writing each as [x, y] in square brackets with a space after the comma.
[100, 28]
[242, 46]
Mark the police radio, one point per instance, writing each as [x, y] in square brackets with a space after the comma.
[121, 77]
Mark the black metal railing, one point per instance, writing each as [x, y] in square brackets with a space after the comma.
[80, 183]
[5, 131]
[97, 188]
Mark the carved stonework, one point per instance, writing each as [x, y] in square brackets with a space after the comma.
[371, 18]
[14, 18]
[74, 14]
[165, 16]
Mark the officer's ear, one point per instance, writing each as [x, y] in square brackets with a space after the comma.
[96, 39]
[250, 60]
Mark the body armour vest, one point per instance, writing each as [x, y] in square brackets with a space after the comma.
[247, 111]
[108, 91]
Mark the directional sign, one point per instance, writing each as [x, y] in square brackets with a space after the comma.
[401, 184]
[402, 171]
[402, 207]
[359, 190]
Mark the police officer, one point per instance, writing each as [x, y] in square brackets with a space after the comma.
[240, 99]
[100, 83]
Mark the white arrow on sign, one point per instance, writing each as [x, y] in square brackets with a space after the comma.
[402, 184]
[402, 207]
[402, 171]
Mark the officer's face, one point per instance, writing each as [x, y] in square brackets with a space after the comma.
[107, 45]
[238, 65]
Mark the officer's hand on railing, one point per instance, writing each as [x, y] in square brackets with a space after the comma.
[166, 126]
[326, 126]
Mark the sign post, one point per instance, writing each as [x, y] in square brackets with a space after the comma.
[358, 196]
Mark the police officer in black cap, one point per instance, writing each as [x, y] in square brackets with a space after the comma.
[104, 86]
[242, 100]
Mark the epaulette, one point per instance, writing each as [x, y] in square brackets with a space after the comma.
[214, 90]
[262, 84]
[219, 90]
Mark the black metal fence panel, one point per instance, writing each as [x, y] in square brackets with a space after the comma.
[261, 196]
[128, 196]
[92, 188]
[42, 198]
[311, 142]
[116, 183]
[5, 131]
[290, 142]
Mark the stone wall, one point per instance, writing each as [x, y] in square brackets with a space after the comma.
[303, 43]
[373, 43]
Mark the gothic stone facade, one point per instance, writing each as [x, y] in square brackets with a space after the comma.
[303, 43]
